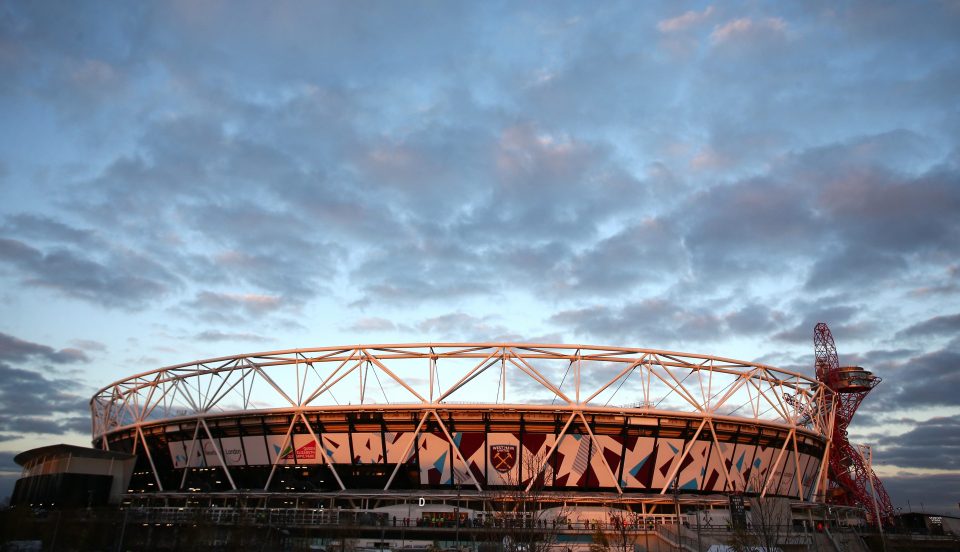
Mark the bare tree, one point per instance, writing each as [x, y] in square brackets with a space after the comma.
[770, 520]
[623, 527]
[527, 517]
[601, 543]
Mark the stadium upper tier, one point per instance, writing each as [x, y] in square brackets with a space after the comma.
[478, 415]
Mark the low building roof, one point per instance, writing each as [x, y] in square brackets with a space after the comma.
[69, 450]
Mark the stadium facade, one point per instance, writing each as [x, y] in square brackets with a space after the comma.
[573, 423]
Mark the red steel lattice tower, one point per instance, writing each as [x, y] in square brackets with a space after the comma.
[849, 477]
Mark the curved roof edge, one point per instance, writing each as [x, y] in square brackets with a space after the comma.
[63, 449]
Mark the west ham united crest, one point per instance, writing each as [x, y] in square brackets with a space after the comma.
[503, 457]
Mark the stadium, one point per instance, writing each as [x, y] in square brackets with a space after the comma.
[370, 426]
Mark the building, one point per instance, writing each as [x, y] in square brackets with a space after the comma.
[373, 425]
[69, 476]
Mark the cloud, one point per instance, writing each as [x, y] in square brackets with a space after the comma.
[462, 326]
[90, 345]
[838, 316]
[372, 324]
[645, 252]
[42, 227]
[925, 380]
[35, 402]
[14, 349]
[947, 325]
[933, 443]
[30, 402]
[227, 306]
[924, 491]
[123, 278]
[216, 336]
[746, 28]
[685, 21]
[661, 323]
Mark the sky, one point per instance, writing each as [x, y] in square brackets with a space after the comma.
[189, 179]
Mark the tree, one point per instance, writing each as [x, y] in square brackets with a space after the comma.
[624, 525]
[528, 519]
[600, 541]
[769, 521]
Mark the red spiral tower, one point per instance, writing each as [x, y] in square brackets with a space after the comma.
[849, 477]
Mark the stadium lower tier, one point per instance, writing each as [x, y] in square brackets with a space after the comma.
[625, 451]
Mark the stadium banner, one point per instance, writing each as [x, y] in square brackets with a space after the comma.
[255, 449]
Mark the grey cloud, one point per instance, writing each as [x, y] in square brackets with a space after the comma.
[461, 326]
[855, 265]
[929, 379]
[89, 345]
[76, 424]
[381, 188]
[896, 214]
[25, 393]
[34, 424]
[229, 306]
[372, 324]
[947, 325]
[932, 444]
[742, 224]
[32, 401]
[216, 336]
[754, 319]
[838, 316]
[123, 279]
[14, 349]
[40, 227]
[661, 323]
[6, 459]
[650, 251]
[431, 269]
[922, 490]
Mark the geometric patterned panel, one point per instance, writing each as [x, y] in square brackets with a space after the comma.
[472, 447]
[693, 467]
[788, 469]
[758, 471]
[572, 460]
[367, 448]
[716, 475]
[397, 443]
[337, 447]
[607, 451]
[639, 463]
[435, 462]
[668, 451]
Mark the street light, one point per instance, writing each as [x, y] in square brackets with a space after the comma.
[676, 505]
[456, 513]
[867, 454]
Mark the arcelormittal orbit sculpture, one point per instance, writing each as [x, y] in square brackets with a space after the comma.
[849, 477]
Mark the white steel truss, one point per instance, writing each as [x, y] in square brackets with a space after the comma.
[645, 382]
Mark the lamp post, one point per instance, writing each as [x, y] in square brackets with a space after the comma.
[676, 505]
[699, 543]
[456, 515]
[867, 453]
